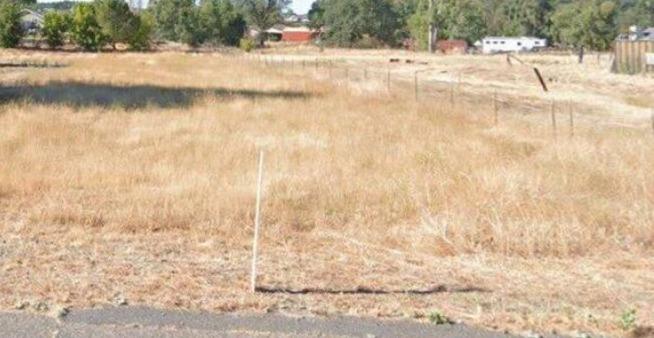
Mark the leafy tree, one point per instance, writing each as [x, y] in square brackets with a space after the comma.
[233, 24]
[636, 12]
[55, 27]
[116, 20]
[586, 24]
[86, 30]
[177, 20]
[141, 36]
[263, 14]
[350, 21]
[455, 19]
[221, 23]
[460, 19]
[11, 30]
[418, 24]
[317, 15]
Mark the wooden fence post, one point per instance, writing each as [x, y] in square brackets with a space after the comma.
[572, 121]
[388, 80]
[257, 224]
[553, 113]
[496, 108]
[415, 84]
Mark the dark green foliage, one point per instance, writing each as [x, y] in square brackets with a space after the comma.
[140, 38]
[116, 20]
[350, 21]
[10, 28]
[589, 23]
[55, 27]
[221, 22]
[177, 20]
[86, 31]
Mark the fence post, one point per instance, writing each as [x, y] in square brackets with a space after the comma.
[553, 113]
[415, 84]
[257, 224]
[496, 108]
[572, 121]
[331, 65]
[388, 80]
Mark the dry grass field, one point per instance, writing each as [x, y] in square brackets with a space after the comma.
[131, 178]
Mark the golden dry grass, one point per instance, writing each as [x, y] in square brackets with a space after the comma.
[134, 174]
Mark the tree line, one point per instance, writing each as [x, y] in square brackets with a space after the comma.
[346, 23]
[566, 23]
[106, 23]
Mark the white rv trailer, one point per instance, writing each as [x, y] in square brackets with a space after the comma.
[493, 44]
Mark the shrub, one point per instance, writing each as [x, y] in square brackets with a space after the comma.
[11, 30]
[87, 33]
[437, 318]
[118, 23]
[55, 27]
[141, 36]
[247, 44]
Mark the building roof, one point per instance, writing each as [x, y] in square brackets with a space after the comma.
[512, 38]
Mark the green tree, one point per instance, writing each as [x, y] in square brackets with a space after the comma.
[11, 30]
[262, 14]
[636, 12]
[221, 23]
[586, 24]
[55, 27]
[460, 19]
[141, 36]
[233, 24]
[116, 20]
[86, 30]
[350, 21]
[177, 20]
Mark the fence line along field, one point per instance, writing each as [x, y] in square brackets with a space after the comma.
[130, 178]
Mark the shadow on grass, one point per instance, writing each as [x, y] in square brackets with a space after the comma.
[369, 291]
[30, 65]
[80, 95]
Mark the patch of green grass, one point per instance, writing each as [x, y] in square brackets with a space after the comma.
[628, 320]
[438, 318]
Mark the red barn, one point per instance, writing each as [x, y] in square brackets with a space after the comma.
[298, 34]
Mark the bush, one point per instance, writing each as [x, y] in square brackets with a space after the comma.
[141, 36]
[55, 27]
[118, 23]
[11, 30]
[87, 33]
[247, 44]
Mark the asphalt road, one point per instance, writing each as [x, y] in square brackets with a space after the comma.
[147, 322]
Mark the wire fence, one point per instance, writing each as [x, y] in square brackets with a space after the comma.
[456, 92]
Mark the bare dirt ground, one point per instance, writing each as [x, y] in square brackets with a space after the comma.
[129, 179]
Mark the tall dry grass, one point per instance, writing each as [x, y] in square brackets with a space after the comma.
[152, 143]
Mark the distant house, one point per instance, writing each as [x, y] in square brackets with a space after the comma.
[30, 20]
[299, 34]
[638, 34]
[275, 33]
[491, 45]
